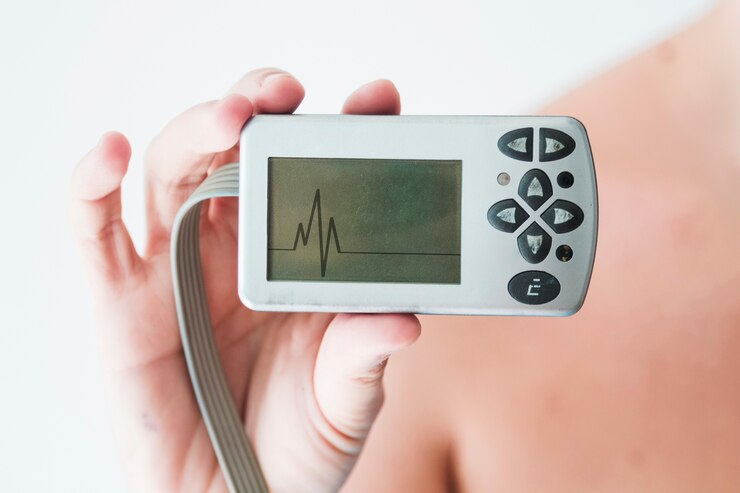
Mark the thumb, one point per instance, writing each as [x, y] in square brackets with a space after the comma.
[350, 366]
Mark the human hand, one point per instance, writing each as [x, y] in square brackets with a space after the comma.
[307, 385]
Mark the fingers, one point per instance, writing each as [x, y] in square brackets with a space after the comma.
[180, 156]
[95, 211]
[349, 370]
[271, 90]
[379, 97]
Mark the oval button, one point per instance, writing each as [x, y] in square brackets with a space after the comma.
[535, 188]
[517, 144]
[534, 244]
[506, 216]
[534, 287]
[555, 144]
[563, 216]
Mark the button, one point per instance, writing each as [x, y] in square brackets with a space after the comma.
[555, 144]
[506, 215]
[517, 144]
[535, 188]
[565, 179]
[534, 287]
[534, 244]
[563, 216]
[564, 253]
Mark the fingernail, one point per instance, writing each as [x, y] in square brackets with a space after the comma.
[103, 137]
[273, 77]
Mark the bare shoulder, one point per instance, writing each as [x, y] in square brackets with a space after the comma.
[638, 391]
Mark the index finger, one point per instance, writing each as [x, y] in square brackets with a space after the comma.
[379, 97]
[180, 156]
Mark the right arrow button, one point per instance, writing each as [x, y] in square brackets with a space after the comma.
[563, 216]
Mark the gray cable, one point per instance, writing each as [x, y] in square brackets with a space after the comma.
[235, 455]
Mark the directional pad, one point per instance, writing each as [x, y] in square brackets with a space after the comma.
[534, 244]
[563, 216]
[507, 215]
[535, 188]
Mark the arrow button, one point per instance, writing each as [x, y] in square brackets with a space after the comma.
[563, 216]
[535, 188]
[534, 244]
[507, 215]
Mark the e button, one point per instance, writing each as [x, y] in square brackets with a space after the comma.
[534, 287]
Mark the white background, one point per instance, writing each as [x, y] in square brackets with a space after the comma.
[71, 70]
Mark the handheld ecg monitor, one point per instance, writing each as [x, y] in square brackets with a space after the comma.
[423, 214]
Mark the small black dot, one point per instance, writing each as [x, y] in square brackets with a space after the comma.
[565, 179]
[564, 253]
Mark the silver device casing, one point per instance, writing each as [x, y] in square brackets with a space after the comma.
[489, 258]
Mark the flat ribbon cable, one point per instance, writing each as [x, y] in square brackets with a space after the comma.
[230, 443]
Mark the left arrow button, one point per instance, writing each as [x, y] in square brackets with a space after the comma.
[507, 215]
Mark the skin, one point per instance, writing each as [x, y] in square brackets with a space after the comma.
[636, 392]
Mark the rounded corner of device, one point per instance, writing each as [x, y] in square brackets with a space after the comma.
[572, 310]
[576, 121]
[248, 302]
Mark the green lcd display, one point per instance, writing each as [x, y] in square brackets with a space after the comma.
[364, 220]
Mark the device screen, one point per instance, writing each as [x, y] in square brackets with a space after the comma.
[364, 220]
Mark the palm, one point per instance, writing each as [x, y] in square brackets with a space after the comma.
[152, 362]
[300, 381]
